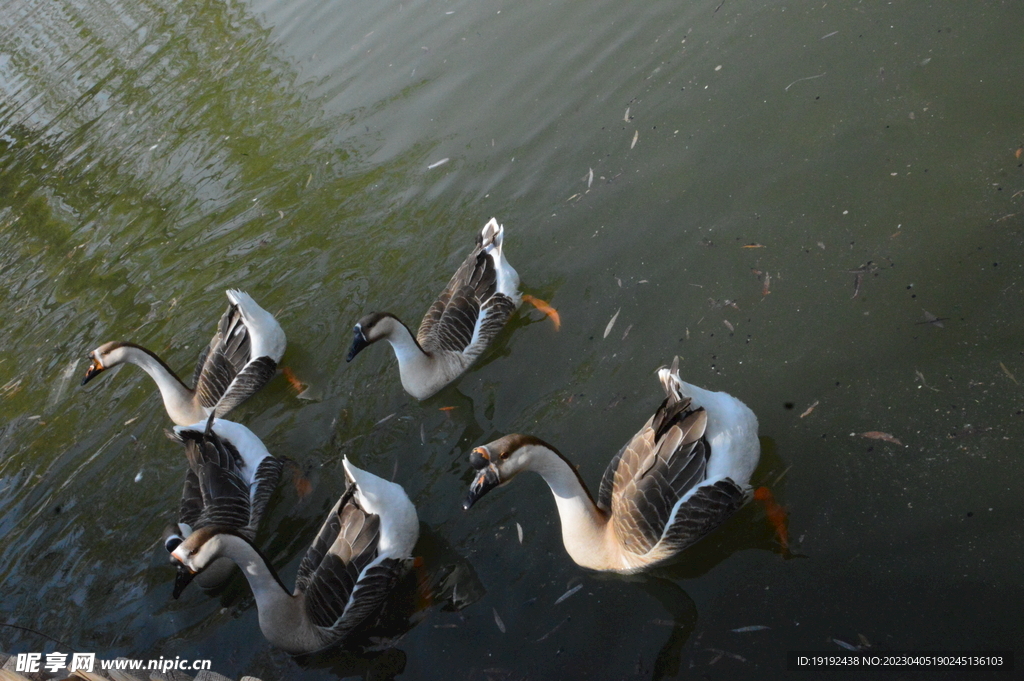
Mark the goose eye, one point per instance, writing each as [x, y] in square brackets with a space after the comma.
[193, 551]
[505, 454]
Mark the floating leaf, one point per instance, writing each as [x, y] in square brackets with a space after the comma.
[879, 435]
[807, 412]
[611, 323]
[568, 593]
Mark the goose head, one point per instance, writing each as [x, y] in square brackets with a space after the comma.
[195, 553]
[499, 461]
[102, 358]
[370, 329]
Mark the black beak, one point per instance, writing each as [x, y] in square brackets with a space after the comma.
[182, 579]
[487, 479]
[358, 343]
[92, 372]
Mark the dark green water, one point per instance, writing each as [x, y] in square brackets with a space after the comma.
[154, 154]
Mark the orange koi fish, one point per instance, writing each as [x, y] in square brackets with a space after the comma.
[777, 515]
[293, 380]
[545, 308]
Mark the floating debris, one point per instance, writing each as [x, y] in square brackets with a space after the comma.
[626, 332]
[435, 164]
[568, 593]
[1007, 372]
[753, 627]
[590, 176]
[447, 408]
[864, 643]
[828, 35]
[423, 434]
[781, 475]
[138, 476]
[722, 653]
[11, 387]
[879, 435]
[636, 136]
[844, 644]
[798, 80]
[920, 377]
[869, 266]
[611, 323]
[519, 529]
[557, 627]
[386, 418]
[753, 245]
[728, 325]
[807, 412]
[929, 318]
[626, 116]
[497, 620]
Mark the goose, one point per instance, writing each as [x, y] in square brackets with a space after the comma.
[240, 359]
[458, 327]
[680, 477]
[230, 478]
[363, 548]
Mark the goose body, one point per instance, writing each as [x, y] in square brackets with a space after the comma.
[680, 477]
[230, 478]
[240, 359]
[364, 546]
[480, 298]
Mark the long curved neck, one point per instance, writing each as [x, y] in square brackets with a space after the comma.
[178, 399]
[584, 526]
[282, 615]
[419, 370]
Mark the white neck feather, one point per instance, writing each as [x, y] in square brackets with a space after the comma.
[178, 399]
[422, 374]
[584, 527]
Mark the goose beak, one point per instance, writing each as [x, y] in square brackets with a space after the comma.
[182, 579]
[358, 343]
[487, 479]
[94, 369]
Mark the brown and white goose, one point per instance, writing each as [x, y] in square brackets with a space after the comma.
[680, 477]
[458, 327]
[240, 359]
[363, 548]
[230, 478]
